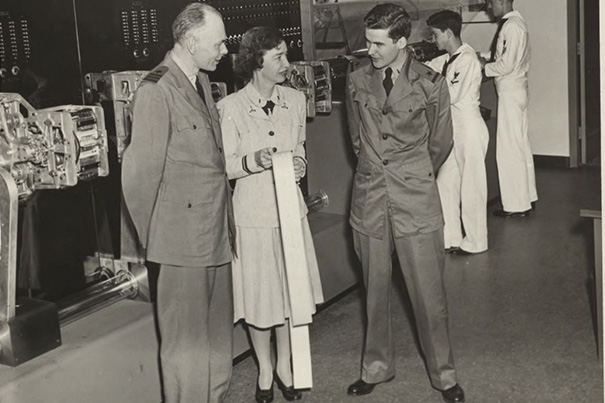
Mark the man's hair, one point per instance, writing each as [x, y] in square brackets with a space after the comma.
[193, 16]
[392, 17]
[255, 43]
[446, 19]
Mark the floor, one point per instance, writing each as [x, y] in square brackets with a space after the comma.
[521, 316]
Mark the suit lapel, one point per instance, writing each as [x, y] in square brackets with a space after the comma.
[254, 109]
[375, 86]
[402, 86]
[257, 112]
[282, 107]
[187, 88]
[211, 112]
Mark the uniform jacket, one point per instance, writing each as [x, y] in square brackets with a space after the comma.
[512, 60]
[400, 141]
[246, 129]
[463, 77]
[173, 173]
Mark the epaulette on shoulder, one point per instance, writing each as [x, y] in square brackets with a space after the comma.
[155, 75]
[425, 71]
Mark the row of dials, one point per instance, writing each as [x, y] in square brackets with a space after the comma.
[14, 40]
[139, 26]
[292, 36]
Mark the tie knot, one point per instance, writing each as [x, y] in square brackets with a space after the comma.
[268, 107]
[388, 72]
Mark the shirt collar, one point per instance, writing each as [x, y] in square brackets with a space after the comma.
[513, 13]
[191, 75]
[461, 49]
[397, 68]
[257, 99]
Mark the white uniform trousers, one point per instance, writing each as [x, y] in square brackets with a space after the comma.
[515, 161]
[462, 183]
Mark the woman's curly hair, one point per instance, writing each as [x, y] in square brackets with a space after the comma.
[255, 43]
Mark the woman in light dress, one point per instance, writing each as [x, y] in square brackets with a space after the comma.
[257, 121]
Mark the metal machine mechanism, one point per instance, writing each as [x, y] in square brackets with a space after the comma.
[118, 89]
[315, 81]
[424, 51]
[51, 148]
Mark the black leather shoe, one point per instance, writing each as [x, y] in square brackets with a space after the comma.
[455, 394]
[288, 392]
[461, 252]
[264, 395]
[361, 387]
[508, 214]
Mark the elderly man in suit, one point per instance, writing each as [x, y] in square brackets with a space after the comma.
[177, 193]
[401, 130]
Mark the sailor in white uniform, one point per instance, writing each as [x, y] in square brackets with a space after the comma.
[509, 62]
[462, 180]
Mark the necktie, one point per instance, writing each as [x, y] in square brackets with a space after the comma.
[388, 81]
[495, 41]
[200, 90]
[268, 107]
[450, 61]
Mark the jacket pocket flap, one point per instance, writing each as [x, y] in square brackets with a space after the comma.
[181, 197]
[188, 123]
[367, 100]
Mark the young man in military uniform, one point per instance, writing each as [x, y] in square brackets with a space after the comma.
[508, 62]
[177, 193]
[401, 130]
[462, 180]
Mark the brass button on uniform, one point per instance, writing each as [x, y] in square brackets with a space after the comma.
[271, 133]
[188, 205]
[385, 111]
[385, 136]
[385, 162]
[194, 127]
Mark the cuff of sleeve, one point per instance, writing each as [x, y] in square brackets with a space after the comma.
[305, 163]
[488, 70]
[249, 165]
[302, 159]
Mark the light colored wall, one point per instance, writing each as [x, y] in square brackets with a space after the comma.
[548, 79]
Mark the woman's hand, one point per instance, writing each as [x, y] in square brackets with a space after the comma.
[263, 157]
[299, 168]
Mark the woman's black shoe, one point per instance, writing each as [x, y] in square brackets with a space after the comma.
[264, 396]
[288, 392]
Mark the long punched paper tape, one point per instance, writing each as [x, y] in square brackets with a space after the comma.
[297, 277]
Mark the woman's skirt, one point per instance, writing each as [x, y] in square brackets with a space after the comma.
[260, 294]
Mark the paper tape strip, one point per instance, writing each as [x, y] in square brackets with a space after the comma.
[297, 273]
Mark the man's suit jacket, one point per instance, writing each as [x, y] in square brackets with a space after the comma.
[173, 172]
[400, 141]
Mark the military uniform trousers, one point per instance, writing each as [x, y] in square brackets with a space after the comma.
[515, 161]
[195, 317]
[422, 261]
[462, 183]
